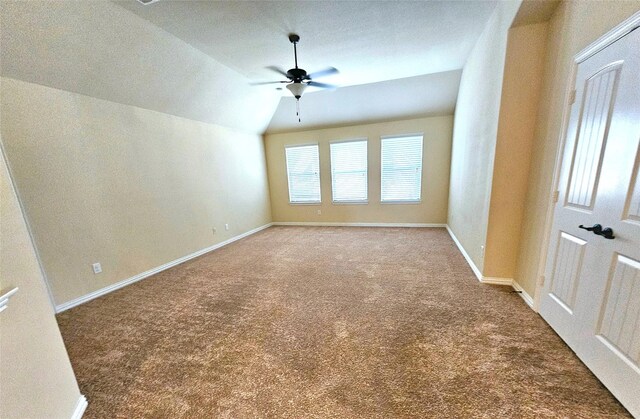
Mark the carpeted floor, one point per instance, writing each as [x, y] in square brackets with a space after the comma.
[318, 322]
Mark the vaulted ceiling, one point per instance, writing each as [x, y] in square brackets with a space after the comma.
[196, 59]
[407, 55]
[368, 41]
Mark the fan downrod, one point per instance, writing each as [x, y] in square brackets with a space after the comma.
[297, 75]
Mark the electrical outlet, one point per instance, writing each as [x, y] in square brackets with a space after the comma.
[226, 227]
[213, 230]
[482, 250]
[319, 212]
[97, 268]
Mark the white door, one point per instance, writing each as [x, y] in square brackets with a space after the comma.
[591, 295]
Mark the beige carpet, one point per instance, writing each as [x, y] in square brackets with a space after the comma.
[323, 322]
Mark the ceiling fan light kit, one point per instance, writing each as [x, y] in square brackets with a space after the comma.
[298, 79]
[297, 89]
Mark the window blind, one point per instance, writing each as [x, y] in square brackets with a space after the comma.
[303, 173]
[401, 162]
[349, 171]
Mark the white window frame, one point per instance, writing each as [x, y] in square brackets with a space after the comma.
[286, 164]
[353, 201]
[403, 201]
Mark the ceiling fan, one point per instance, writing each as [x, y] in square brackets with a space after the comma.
[298, 79]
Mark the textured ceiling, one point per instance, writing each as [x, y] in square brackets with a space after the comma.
[368, 41]
[428, 95]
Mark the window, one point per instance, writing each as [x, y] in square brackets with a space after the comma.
[401, 178]
[349, 171]
[303, 174]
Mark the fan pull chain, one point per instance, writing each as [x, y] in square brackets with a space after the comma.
[298, 109]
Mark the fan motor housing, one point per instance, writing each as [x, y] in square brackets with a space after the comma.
[297, 74]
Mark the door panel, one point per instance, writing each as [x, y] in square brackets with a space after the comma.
[620, 320]
[600, 90]
[570, 252]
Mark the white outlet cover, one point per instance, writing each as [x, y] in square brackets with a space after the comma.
[97, 268]
[226, 226]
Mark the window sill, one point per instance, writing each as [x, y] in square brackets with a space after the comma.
[350, 202]
[305, 203]
[406, 201]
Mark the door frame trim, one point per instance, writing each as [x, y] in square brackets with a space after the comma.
[624, 28]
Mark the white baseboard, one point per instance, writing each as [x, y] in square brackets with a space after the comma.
[492, 280]
[525, 296]
[81, 406]
[98, 293]
[473, 266]
[496, 281]
[487, 280]
[331, 224]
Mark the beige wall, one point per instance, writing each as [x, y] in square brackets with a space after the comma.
[435, 181]
[475, 131]
[573, 26]
[127, 187]
[523, 73]
[36, 376]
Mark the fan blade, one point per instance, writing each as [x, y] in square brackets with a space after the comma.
[278, 70]
[322, 73]
[322, 85]
[268, 82]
